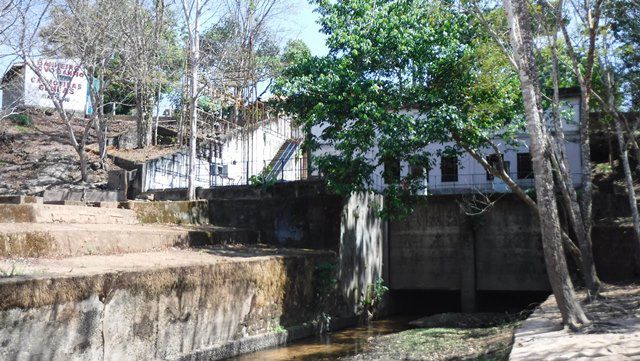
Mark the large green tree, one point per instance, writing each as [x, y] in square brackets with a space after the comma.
[400, 75]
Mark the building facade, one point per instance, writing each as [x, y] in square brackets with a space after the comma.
[23, 88]
[463, 174]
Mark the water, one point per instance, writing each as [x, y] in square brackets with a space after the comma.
[333, 345]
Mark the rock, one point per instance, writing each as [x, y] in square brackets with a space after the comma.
[95, 166]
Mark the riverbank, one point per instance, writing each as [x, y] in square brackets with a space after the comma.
[484, 336]
[614, 334]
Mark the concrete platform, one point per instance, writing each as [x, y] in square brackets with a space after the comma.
[46, 213]
[69, 239]
[614, 335]
[207, 303]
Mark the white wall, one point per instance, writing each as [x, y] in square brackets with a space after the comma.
[471, 175]
[171, 172]
[248, 152]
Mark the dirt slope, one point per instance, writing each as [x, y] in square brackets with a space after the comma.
[38, 156]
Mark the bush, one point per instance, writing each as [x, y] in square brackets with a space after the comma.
[21, 119]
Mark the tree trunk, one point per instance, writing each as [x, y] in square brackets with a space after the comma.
[157, 118]
[140, 128]
[193, 58]
[569, 195]
[518, 17]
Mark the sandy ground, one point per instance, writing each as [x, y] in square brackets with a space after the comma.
[614, 335]
[21, 269]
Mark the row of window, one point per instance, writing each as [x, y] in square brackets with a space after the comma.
[449, 168]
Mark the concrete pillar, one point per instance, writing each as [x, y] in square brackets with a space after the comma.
[468, 266]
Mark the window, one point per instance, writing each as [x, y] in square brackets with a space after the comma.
[493, 159]
[525, 166]
[391, 173]
[419, 167]
[449, 168]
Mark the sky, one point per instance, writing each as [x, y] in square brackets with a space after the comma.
[307, 29]
[301, 24]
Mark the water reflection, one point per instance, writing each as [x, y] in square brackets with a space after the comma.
[332, 345]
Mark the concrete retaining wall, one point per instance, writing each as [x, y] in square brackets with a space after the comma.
[304, 214]
[293, 214]
[164, 314]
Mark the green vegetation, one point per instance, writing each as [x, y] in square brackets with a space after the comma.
[399, 75]
[21, 119]
[450, 336]
[264, 179]
[279, 329]
[325, 282]
[604, 168]
[372, 298]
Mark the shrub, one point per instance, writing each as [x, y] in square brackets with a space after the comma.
[21, 119]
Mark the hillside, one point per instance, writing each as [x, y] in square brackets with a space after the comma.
[38, 155]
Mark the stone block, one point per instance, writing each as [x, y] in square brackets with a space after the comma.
[108, 204]
[74, 203]
[20, 199]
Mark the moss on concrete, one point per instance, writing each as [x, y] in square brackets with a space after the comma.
[17, 213]
[28, 244]
[281, 287]
[178, 212]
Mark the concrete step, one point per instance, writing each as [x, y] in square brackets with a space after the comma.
[47, 213]
[65, 240]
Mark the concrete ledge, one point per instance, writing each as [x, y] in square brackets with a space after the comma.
[65, 240]
[58, 196]
[47, 213]
[175, 212]
[164, 305]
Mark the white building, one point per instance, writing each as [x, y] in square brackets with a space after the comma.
[463, 174]
[23, 88]
[267, 149]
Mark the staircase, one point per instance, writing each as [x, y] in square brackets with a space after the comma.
[276, 167]
[54, 231]
[151, 281]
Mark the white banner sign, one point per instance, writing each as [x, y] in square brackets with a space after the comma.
[65, 78]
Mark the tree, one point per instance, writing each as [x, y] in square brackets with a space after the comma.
[619, 80]
[519, 17]
[548, 20]
[192, 11]
[148, 58]
[583, 69]
[26, 43]
[241, 54]
[93, 33]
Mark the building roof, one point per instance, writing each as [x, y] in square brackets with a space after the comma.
[13, 71]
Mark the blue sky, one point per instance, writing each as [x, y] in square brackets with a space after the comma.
[308, 30]
[301, 25]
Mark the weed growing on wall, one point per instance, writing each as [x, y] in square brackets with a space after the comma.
[325, 282]
[370, 301]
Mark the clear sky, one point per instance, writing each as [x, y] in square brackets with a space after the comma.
[307, 29]
[301, 24]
